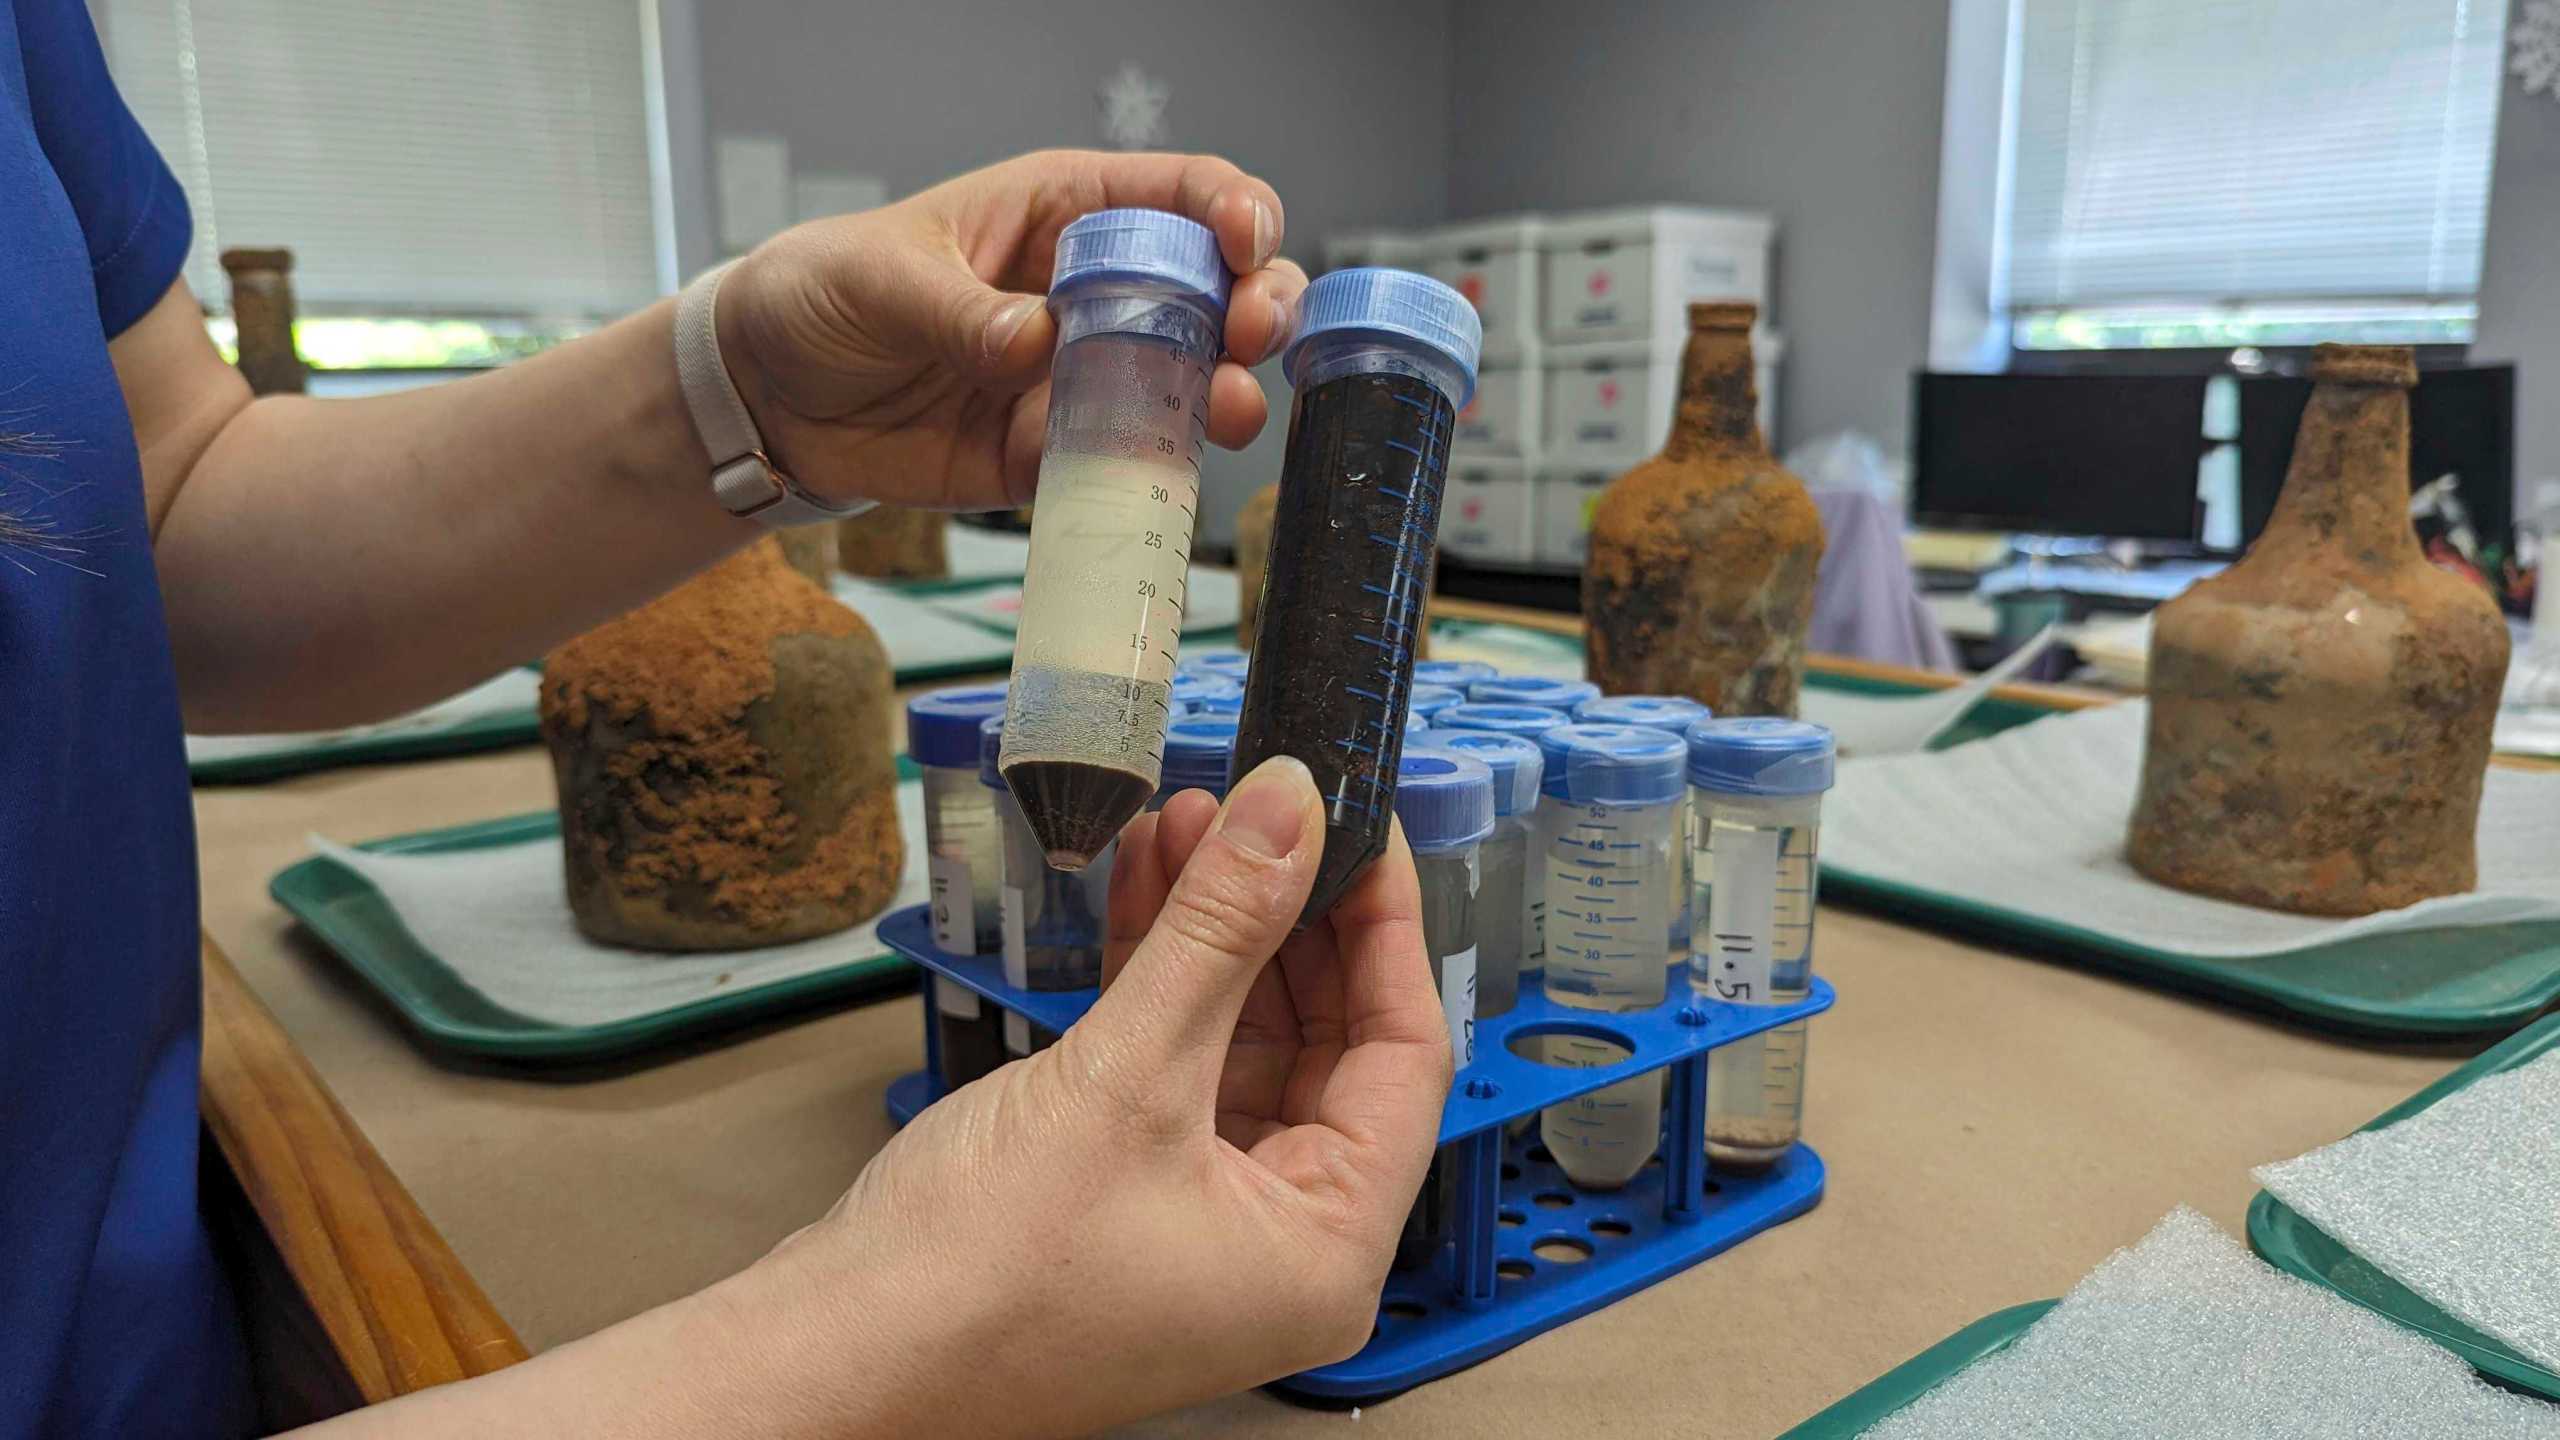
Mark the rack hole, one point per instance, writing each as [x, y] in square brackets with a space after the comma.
[1551, 1200]
[1404, 1310]
[1612, 1227]
[1713, 1188]
[1514, 1269]
[1562, 1250]
[1510, 1217]
[1538, 1153]
[1653, 1162]
[1510, 1171]
[1571, 1044]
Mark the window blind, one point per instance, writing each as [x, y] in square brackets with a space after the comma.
[483, 158]
[2224, 152]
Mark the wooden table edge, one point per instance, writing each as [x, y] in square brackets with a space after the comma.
[350, 1295]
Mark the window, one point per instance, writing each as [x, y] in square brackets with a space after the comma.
[2249, 172]
[459, 182]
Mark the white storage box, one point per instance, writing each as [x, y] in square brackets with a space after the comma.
[1494, 263]
[1565, 495]
[1486, 514]
[1612, 402]
[1402, 249]
[1630, 274]
[1505, 417]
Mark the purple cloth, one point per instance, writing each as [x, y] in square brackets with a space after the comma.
[1865, 602]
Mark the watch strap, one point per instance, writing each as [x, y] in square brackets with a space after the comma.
[744, 479]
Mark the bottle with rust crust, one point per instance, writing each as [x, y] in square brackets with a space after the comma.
[2320, 712]
[724, 766]
[262, 319]
[1700, 578]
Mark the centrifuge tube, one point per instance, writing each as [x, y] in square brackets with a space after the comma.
[1197, 751]
[1613, 793]
[970, 1032]
[1504, 908]
[1382, 363]
[961, 845]
[1140, 299]
[1052, 918]
[1445, 800]
[1528, 722]
[1532, 690]
[1198, 690]
[1224, 660]
[1672, 714]
[1756, 785]
[1429, 700]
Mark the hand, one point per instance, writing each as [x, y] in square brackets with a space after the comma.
[1199, 1187]
[902, 354]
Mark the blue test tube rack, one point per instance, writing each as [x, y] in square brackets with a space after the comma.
[1493, 1288]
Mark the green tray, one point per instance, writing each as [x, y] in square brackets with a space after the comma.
[347, 913]
[2426, 982]
[489, 732]
[1863, 1408]
[2294, 1245]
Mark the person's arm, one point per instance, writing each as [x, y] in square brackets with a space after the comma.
[1197, 1189]
[328, 561]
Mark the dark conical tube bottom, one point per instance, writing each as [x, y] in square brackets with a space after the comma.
[1349, 851]
[1075, 810]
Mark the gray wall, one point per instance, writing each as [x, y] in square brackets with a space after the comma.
[1822, 114]
[2520, 278]
[1342, 105]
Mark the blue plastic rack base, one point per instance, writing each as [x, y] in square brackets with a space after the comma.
[1531, 1250]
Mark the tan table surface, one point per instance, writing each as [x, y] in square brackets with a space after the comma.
[1993, 1126]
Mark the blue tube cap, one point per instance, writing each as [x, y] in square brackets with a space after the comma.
[1457, 674]
[990, 745]
[1430, 700]
[1202, 689]
[1533, 690]
[1612, 765]
[1761, 755]
[1197, 751]
[1397, 303]
[1675, 713]
[1445, 799]
[942, 725]
[1216, 660]
[1514, 761]
[1145, 246]
[1531, 721]
[1415, 722]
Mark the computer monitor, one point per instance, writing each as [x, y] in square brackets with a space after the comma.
[2112, 456]
[2462, 422]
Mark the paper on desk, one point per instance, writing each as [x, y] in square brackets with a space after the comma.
[515, 691]
[978, 554]
[2032, 821]
[1894, 725]
[1514, 650]
[918, 636]
[499, 918]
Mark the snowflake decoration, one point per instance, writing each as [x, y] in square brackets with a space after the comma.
[1133, 108]
[2536, 60]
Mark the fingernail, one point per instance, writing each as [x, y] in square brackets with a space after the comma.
[1282, 322]
[1267, 812]
[1266, 234]
[1006, 323]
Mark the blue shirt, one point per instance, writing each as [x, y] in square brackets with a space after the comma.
[114, 1319]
